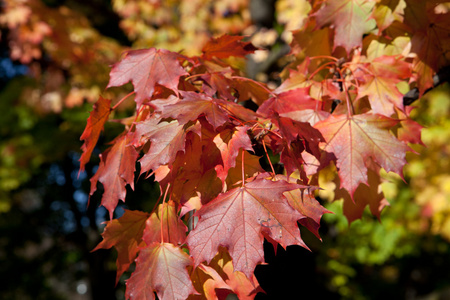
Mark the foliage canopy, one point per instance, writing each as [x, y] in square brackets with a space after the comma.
[239, 158]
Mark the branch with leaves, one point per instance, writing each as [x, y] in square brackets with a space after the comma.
[340, 107]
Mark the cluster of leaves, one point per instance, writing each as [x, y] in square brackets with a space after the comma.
[340, 107]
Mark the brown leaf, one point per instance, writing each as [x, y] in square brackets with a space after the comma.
[124, 234]
[97, 118]
[226, 46]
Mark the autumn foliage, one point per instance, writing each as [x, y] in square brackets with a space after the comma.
[208, 135]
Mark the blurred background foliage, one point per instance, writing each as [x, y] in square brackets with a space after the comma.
[54, 62]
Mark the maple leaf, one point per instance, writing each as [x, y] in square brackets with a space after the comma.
[206, 280]
[116, 170]
[430, 48]
[352, 140]
[237, 111]
[309, 41]
[229, 142]
[218, 82]
[288, 101]
[160, 267]
[124, 234]
[295, 104]
[299, 78]
[430, 40]
[189, 176]
[167, 138]
[410, 131]
[250, 89]
[364, 195]
[145, 68]
[307, 205]
[97, 118]
[167, 223]
[297, 137]
[226, 46]
[239, 219]
[388, 11]
[192, 106]
[380, 84]
[416, 14]
[244, 288]
[350, 19]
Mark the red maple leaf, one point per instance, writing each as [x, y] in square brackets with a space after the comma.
[240, 218]
[116, 170]
[244, 288]
[297, 137]
[229, 142]
[97, 118]
[208, 282]
[289, 101]
[380, 84]
[409, 131]
[352, 140]
[218, 82]
[167, 138]
[295, 104]
[247, 88]
[307, 205]
[124, 234]
[189, 176]
[145, 68]
[226, 46]
[365, 195]
[160, 267]
[237, 111]
[350, 19]
[194, 105]
[165, 226]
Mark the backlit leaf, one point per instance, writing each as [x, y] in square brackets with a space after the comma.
[350, 19]
[165, 226]
[239, 219]
[145, 68]
[124, 234]
[192, 106]
[380, 84]
[97, 118]
[352, 140]
[160, 267]
[116, 170]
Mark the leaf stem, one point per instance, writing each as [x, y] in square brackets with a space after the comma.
[320, 69]
[161, 217]
[350, 111]
[268, 157]
[242, 168]
[257, 83]
[123, 99]
[324, 56]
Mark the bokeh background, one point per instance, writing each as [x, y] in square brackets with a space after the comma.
[55, 57]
